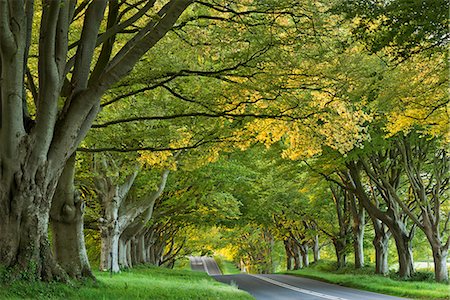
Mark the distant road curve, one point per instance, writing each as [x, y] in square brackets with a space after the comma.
[283, 287]
[205, 264]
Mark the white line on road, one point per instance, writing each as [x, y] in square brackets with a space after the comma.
[204, 265]
[300, 290]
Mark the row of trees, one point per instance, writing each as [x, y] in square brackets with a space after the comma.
[209, 76]
[337, 200]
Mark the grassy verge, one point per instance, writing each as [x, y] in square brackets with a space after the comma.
[366, 279]
[227, 267]
[139, 283]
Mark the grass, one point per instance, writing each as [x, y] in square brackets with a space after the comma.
[227, 267]
[366, 279]
[139, 283]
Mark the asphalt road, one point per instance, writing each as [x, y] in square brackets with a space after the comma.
[284, 287]
[205, 264]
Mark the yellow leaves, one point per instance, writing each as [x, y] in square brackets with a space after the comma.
[166, 159]
[162, 159]
[418, 94]
[267, 131]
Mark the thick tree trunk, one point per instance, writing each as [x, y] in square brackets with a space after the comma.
[341, 253]
[109, 256]
[358, 218]
[381, 244]
[141, 251]
[289, 260]
[128, 253]
[316, 249]
[67, 226]
[304, 249]
[289, 256]
[358, 247]
[440, 264]
[297, 257]
[123, 262]
[25, 208]
[404, 251]
[24, 247]
[381, 258]
[134, 250]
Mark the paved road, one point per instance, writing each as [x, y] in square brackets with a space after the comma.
[205, 264]
[286, 287]
[283, 287]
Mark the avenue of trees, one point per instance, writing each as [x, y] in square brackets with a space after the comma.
[127, 127]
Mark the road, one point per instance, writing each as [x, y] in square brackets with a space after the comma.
[284, 287]
[205, 264]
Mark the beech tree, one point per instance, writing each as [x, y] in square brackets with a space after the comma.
[38, 136]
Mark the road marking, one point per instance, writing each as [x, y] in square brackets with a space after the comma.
[215, 268]
[300, 290]
[204, 265]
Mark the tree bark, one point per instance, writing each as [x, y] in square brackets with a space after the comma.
[316, 248]
[298, 258]
[341, 252]
[358, 224]
[24, 246]
[440, 263]
[109, 257]
[289, 254]
[25, 209]
[67, 226]
[123, 261]
[404, 250]
[304, 249]
[358, 247]
[128, 254]
[142, 253]
[381, 244]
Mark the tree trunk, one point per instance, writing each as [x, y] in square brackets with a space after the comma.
[289, 256]
[440, 264]
[358, 224]
[141, 252]
[404, 251]
[67, 226]
[123, 262]
[381, 243]
[297, 257]
[109, 256]
[25, 208]
[128, 253]
[289, 260]
[304, 251]
[341, 253]
[358, 247]
[134, 248]
[316, 249]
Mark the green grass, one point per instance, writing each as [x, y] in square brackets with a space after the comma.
[227, 267]
[139, 283]
[366, 279]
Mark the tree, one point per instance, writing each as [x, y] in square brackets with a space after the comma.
[66, 218]
[402, 27]
[427, 169]
[34, 150]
